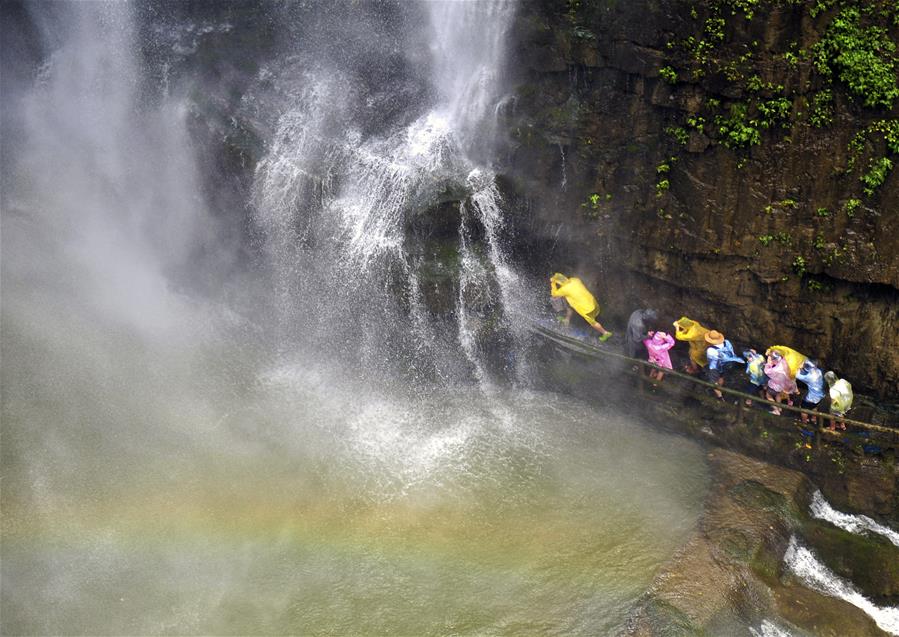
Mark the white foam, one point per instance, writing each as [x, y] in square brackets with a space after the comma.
[860, 524]
[769, 629]
[802, 562]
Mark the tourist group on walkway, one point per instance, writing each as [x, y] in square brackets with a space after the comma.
[773, 375]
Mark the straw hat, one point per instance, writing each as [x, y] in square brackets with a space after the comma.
[714, 337]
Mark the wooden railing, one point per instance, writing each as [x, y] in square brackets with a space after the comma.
[587, 349]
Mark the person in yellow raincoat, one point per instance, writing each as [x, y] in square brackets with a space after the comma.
[579, 300]
[694, 333]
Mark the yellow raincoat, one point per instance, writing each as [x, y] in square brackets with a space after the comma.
[578, 296]
[694, 333]
[794, 358]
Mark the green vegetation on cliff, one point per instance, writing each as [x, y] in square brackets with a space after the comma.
[851, 51]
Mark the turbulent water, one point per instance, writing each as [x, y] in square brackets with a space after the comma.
[821, 509]
[802, 562]
[194, 444]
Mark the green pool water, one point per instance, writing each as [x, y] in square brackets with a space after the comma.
[301, 506]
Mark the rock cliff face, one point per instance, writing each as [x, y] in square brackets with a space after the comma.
[723, 159]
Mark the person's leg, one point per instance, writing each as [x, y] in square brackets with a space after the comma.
[777, 398]
[714, 376]
[596, 325]
[568, 314]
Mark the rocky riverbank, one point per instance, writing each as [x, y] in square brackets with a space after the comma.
[731, 573]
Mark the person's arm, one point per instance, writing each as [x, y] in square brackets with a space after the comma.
[554, 288]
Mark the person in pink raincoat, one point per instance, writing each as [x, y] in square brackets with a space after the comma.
[658, 345]
[780, 382]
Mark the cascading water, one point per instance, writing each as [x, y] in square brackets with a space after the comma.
[821, 509]
[357, 195]
[196, 442]
[803, 564]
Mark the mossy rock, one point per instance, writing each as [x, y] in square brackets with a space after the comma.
[868, 561]
[752, 494]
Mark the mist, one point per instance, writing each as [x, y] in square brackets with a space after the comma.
[228, 401]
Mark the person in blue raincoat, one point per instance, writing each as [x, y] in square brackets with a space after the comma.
[720, 353]
[814, 379]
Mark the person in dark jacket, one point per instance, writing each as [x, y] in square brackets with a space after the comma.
[639, 325]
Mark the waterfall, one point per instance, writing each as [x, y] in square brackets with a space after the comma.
[804, 565]
[821, 509]
[105, 186]
[335, 202]
[187, 401]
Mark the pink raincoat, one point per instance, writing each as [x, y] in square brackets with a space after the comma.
[658, 347]
[779, 379]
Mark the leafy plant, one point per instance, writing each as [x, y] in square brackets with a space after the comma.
[593, 205]
[774, 111]
[889, 129]
[851, 206]
[861, 56]
[821, 114]
[738, 130]
[680, 134]
[668, 74]
[878, 170]
[697, 122]
[814, 286]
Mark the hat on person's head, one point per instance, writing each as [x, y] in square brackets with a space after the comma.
[714, 337]
[659, 338]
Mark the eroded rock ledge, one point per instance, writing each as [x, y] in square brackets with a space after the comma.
[617, 139]
[731, 574]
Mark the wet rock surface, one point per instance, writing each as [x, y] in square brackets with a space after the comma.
[759, 242]
[870, 562]
[730, 575]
